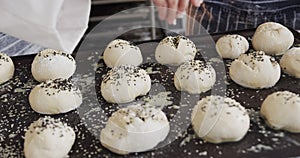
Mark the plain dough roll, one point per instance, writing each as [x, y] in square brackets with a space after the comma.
[120, 52]
[7, 68]
[281, 110]
[231, 46]
[290, 62]
[134, 129]
[218, 119]
[272, 38]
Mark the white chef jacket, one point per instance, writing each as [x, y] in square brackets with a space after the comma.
[57, 24]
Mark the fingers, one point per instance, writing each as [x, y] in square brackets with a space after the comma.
[169, 9]
[172, 11]
[183, 4]
[196, 3]
[162, 7]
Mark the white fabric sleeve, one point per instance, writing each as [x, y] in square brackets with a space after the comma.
[57, 24]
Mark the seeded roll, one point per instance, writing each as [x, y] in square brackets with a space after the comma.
[231, 46]
[175, 50]
[124, 83]
[281, 111]
[55, 97]
[134, 129]
[49, 138]
[52, 64]
[121, 52]
[218, 119]
[255, 70]
[195, 77]
[7, 68]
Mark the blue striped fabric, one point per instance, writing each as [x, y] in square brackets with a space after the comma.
[15, 47]
[229, 15]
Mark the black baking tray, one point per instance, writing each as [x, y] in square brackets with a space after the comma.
[260, 141]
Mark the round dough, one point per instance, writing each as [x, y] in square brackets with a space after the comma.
[231, 46]
[175, 50]
[121, 52]
[52, 64]
[290, 62]
[255, 70]
[7, 68]
[272, 38]
[49, 138]
[217, 119]
[55, 97]
[124, 83]
[195, 77]
[281, 110]
[134, 129]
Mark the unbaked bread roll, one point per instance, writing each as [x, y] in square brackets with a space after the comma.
[231, 46]
[52, 64]
[7, 68]
[121, 52]
[175, 50]
[134, 129]
[48, 138]
[290, 62]
[195, 77]
[55, 97]
[255, 70]
[124, 83]
[272, 38]
[281, 110]
[219, 119]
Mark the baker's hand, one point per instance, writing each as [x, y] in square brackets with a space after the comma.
[169, 9]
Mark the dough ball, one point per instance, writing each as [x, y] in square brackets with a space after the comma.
[255, 70]
[121, 52]
[218, 119]
[175, 50]
[231, 46]
[290, 62]
[54, 97]
[7, 68]
[195, 77]
[272, 38]
[134, 129]
[48, 138]
[124, 83]
[281, 110]
[52, 64]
